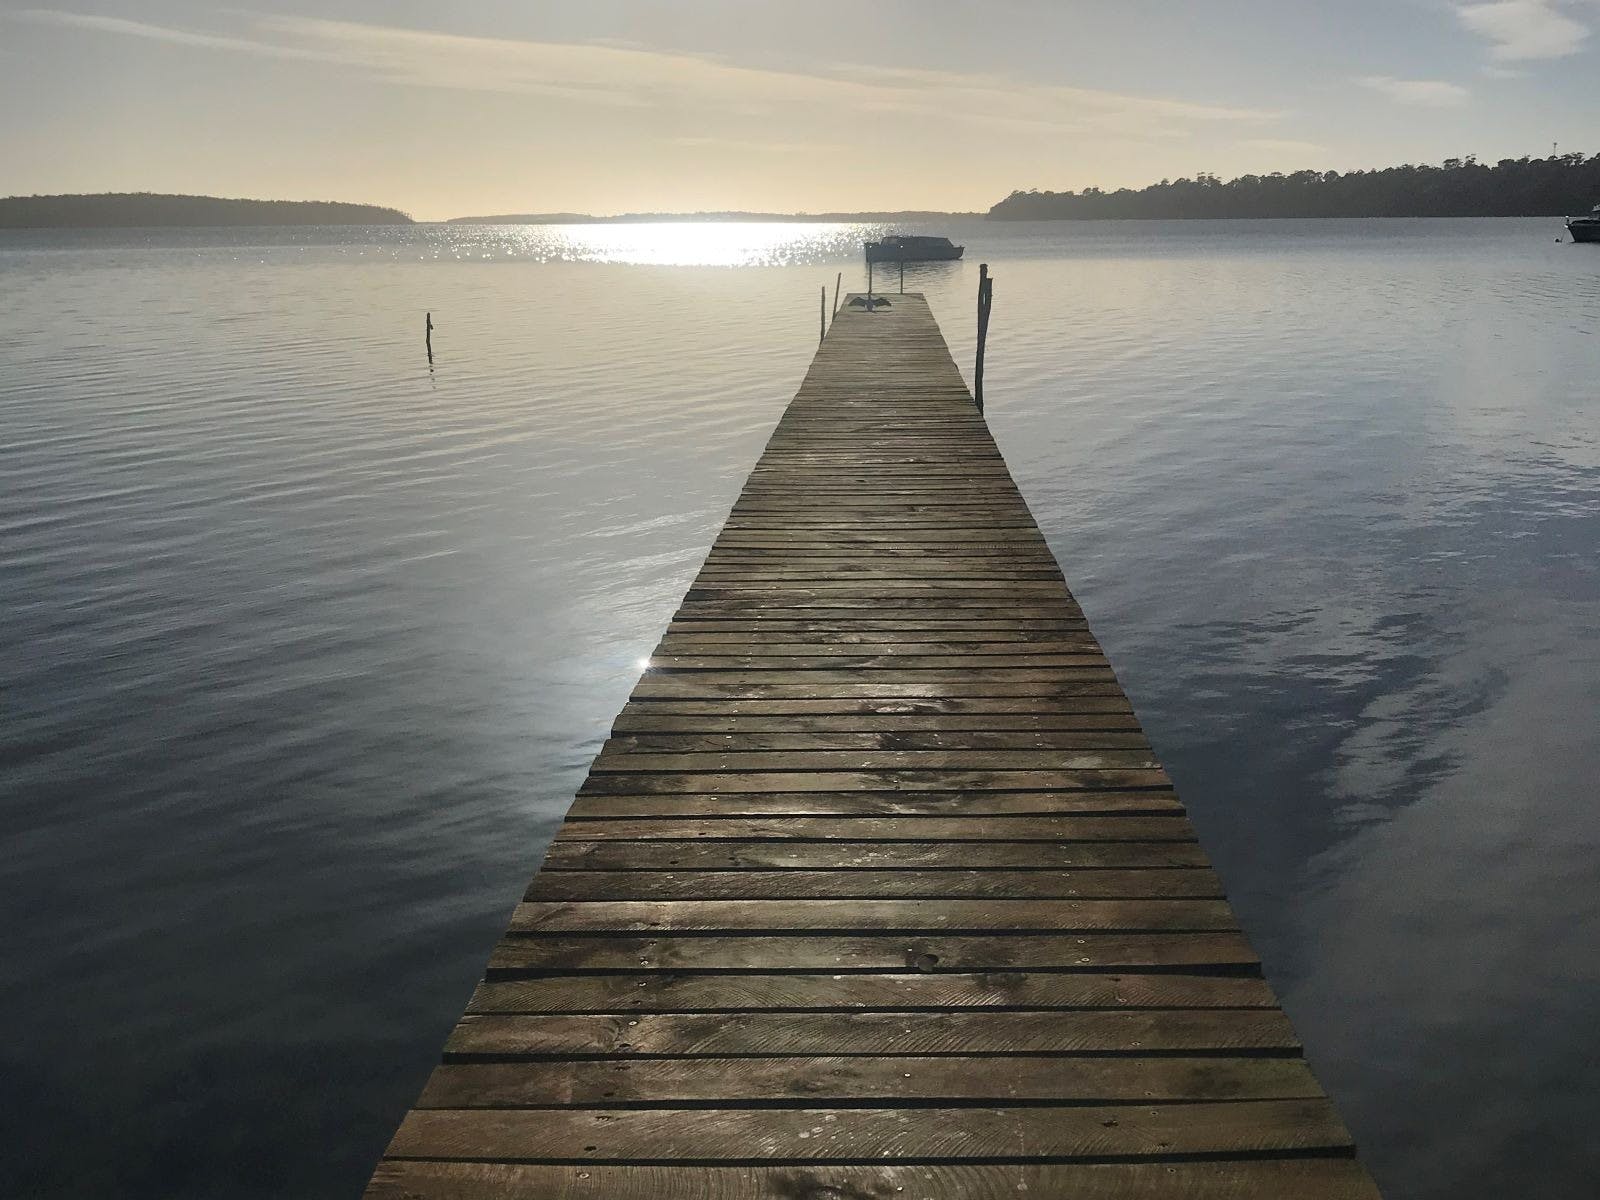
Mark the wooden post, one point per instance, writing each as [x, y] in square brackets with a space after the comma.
[985, 300]
[824, 332]
[427, 338]
[869, 285]
[837, 280]
[902, 271]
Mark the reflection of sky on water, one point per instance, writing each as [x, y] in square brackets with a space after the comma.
[1451, 945]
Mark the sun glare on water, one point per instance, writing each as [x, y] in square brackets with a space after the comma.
[667, 243]
[703, 244]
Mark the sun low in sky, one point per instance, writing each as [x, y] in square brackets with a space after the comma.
[608, 106]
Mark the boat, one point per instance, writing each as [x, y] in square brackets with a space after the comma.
[1585, 229]
[913, 248]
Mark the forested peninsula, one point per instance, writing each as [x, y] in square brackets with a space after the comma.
[127, 210]
[1561, 185]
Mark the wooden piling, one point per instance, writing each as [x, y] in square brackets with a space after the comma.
[985, 302]
[877, 887]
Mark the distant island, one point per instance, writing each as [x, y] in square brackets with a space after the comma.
[1562, 185]
[128, 210]
[655, 218]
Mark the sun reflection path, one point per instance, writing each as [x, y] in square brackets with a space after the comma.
[666, 243]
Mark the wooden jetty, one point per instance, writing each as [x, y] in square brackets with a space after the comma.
[877, 890]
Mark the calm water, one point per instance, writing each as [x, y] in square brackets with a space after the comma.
[306, 646]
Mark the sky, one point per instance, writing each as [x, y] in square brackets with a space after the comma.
[607, 106]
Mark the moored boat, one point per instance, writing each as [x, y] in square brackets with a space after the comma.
[1585, 229]
[913, 248]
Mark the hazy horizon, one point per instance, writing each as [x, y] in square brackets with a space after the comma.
[627, 106]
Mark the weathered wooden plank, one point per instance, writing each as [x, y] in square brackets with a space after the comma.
[882, 916]
[816, 550]
[964, 611]
[845, 1135]
[651, 719]
[799, 562]
[765, 575]
[842, 638]
[946, 507]
[880, 511]
[886, 829]
[909, 517]
[904, 707]
[1248, 1179]
[1226, 950]
[965, 740]
[837, 645]
[956, 1032]
[1052, 685]
[911, 857]
[952, 540]
[888, 885]
[810, 1082]
[855, 761]
[661, 992]
[789, 663]
[838, 593]
[728, 558]
[713, 783]
[1090, 801]
[822, 681]
[887, 632]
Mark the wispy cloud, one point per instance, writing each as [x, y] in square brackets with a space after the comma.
[1422, 93]
[154, 33]
[622, 75]
[1520, 30]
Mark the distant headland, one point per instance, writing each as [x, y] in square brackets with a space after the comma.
[1561, 185]
[131, 210]
[654, 218]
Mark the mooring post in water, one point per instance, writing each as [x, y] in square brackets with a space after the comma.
[824, 330]
[427, 338]
[985, 299]
[837, 280]
[902, 271]
[869, 285]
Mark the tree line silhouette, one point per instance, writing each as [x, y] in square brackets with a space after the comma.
[1561, 185]
[144, 209]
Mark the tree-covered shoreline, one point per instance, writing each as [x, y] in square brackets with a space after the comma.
[1562, 185]
[133, 210]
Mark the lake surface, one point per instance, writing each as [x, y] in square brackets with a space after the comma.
[306, 646]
